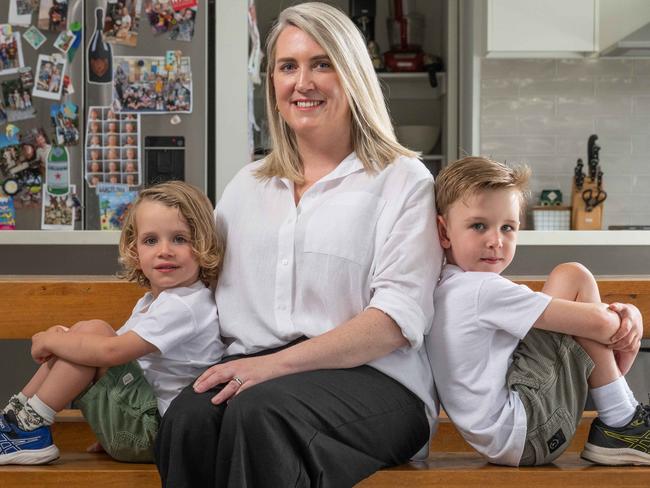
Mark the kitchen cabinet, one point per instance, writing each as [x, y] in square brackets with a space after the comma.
[556, 28]
[411, 98]
[540, 28]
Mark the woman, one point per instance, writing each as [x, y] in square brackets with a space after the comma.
[327, 285]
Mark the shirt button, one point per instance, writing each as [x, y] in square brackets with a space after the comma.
[285, 262]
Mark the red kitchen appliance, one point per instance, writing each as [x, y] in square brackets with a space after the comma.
[405, 35]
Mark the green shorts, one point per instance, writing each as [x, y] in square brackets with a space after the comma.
[549, 371]
[123, 412]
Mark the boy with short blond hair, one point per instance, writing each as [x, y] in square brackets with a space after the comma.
[513, 367]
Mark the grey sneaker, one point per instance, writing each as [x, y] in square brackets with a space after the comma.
[613, 446]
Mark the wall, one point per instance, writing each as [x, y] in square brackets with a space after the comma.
[542, 111]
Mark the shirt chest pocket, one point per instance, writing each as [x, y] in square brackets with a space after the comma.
[344, 226]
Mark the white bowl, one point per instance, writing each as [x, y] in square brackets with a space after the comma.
[422, 138]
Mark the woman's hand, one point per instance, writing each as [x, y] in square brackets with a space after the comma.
[238, 375]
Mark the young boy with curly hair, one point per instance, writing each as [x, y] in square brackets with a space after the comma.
[124, 381]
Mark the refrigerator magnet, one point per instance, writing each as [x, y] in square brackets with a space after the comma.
[49, 77]
[34, 37]
[148, 85]
[100, 53]
[122, 21]
[7, 213]
[11, 50]
[16, 100]
[59, 211]
[64, 41]
[20, 12]
[53, 15]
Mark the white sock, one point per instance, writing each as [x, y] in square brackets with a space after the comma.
[630, 395]
[35, 414]
[613, 403]
[16, 403]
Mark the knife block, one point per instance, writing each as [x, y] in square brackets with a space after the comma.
[580, 218]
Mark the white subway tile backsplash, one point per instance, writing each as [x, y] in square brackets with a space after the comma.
[621, 85]
[621, 126]
[518, 68]
[642, 67]
[595, 67]
[557, 86]
[518, 106]
[499, 87]
[592, 105]
[524, 144]
[541, 113]
[556, 125]
[499, 125]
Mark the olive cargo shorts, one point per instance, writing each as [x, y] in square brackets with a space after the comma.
[549, 371]
[123, 413]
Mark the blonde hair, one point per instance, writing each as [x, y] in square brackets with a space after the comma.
[473, 174]
[373, 137]
[196, 209]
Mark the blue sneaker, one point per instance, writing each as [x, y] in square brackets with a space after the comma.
[25, 447]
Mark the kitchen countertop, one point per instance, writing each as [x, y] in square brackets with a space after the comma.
[526, 238]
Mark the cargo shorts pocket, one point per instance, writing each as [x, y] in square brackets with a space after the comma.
[551, 438]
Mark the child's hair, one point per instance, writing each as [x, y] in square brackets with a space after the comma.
[196, 209]
[474, 174]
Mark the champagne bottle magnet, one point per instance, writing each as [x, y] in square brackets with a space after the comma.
[100, 55]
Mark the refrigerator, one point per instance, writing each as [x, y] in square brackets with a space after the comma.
[147, 118]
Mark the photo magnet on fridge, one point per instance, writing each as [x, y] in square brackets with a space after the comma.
[149, 85]
[16, 99]
[20, 12]
[34, 37]
[11, 50]
[64, 41]
[49, 76]
[53, 15]
[122, 21]
[100, 53]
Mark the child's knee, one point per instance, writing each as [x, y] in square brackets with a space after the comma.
[93, 327]
[575, 272]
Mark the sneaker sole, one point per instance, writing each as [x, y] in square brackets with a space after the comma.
[614, 456]
[35, 456]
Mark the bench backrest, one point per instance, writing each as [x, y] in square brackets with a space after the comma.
[29, 305]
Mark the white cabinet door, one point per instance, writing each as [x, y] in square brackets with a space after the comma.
[541, 25]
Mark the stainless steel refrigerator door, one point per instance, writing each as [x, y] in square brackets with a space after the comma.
[30, 218]
[192, 126]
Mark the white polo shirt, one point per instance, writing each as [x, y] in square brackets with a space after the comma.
[355, 240]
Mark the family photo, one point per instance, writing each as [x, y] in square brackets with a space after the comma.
[16, 99]
[151, 85]
[164, 17]
[49, 77]
[11, 50]
[53, 15]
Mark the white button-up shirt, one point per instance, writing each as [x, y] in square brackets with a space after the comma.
[355, 240]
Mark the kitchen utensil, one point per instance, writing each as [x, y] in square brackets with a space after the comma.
[421, 138]
[405, 35]
[593, 155]
[593, 198]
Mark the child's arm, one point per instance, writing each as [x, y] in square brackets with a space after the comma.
[593, 321]
[90, 349]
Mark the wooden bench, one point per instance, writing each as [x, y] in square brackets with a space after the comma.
[31, 304]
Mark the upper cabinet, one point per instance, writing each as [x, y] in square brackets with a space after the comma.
[557, 28]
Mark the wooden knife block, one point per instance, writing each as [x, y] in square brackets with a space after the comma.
[580, 218]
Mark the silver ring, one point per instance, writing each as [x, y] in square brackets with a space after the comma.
[237, 380]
